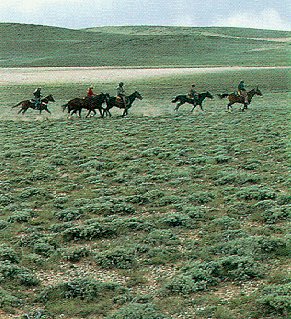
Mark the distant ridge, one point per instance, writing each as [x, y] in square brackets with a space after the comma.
[25, 45]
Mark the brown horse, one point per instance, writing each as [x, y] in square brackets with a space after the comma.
[113, 101]
[182, 99]
[76, 105]
[235, 98]
[26, 104]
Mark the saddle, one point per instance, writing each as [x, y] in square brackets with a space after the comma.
[119, 100]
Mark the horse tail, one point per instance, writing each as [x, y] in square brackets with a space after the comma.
[17, 104]
[64, 106]
[221, 96]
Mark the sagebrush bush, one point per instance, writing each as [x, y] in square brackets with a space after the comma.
[75, 254]
[256, 192]
[69, 215]
[89, 232]
[83, 288]
[137, 311]
[160, 237]
[8, 300]
[176, 220]
[7, 253]
[121, 258]
[275, 299]
[199, 276]
[20, 217]
[23, 276]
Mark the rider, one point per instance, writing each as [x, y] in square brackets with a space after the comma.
[121, 92]
[37, 97]
[242, 91]
[90, 91]
[90, 94]
[193, 94]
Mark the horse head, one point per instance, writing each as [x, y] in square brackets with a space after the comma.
[209, 95]
[138, 95]
[50, 98]
[258, 91]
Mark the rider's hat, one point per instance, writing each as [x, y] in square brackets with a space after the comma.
[121, 83]
[193, 84]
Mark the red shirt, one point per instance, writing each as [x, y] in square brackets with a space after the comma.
[90, 92]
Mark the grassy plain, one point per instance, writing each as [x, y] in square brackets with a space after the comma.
[157, 215]
[32, 45]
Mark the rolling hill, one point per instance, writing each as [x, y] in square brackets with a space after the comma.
[26, 45]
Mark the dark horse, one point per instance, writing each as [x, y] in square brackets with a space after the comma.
[90, 104]
[113, 101]
[26, 104]
[182, 99]
[235, 98]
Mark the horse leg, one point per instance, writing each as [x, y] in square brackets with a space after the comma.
[178, 105]
[46, 109]
[229, 107]
[124, 112]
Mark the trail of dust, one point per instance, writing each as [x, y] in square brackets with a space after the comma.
[40, 75]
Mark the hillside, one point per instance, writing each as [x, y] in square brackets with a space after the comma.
[160, 215]
[24, 45]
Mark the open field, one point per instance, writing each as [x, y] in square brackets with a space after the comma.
[160, 215]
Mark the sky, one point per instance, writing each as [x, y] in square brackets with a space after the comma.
[77, 14]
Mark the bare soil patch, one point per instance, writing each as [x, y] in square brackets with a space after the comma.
[10, 76]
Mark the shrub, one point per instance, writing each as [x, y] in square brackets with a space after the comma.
[5, 200]
[6, 299]
[237, 178]
[83, 288]
[10, 272]
[201, 197]
[220, 159]
[256, 192]
[137, 311]
[199, 276]
[7, 253]
[256, 246]
[68, 215]
[43, 248]
[276, 214]
[275, 299]
[176, 220]
[75, 254]
[160, 237]
[3, 224]
[20, 217]
[32, 192]
[116, 258]
[162, 255]
[89, 232]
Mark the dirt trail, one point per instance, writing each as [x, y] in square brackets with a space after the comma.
[39, 75]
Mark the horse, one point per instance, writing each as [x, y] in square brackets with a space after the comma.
[112, 101]
[77, 104]
[182, 99]
[26, 104]
[234, 98]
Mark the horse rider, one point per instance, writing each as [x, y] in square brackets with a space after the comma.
[37, 98]
[193, 94]
[121, 92]
[242, 91]
[90, 95]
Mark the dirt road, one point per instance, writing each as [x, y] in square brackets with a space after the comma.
[39, 75]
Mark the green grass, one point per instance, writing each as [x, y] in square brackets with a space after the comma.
[160, 214]
[35, 45]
